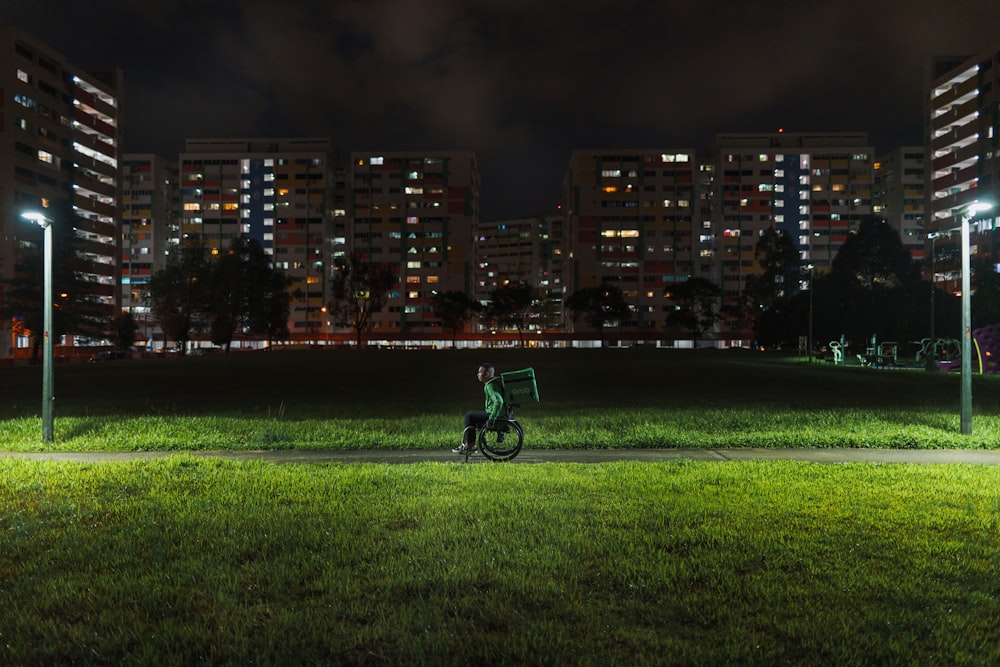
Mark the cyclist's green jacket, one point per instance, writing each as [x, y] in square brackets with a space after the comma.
[494, 397]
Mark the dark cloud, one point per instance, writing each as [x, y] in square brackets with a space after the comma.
[522, 82]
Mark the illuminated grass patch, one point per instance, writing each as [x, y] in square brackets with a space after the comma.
[590, 398]
[187, 561]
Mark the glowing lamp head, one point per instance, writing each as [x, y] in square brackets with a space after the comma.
[978, 207]
[37, 218]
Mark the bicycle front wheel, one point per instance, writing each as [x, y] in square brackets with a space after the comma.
[501, 444]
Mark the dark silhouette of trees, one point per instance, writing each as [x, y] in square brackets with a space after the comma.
[873, 288]
[178, 292]
[455, 310]
[246, 295]
[238, 291]
[123, 330]
[361, 289]
[770, 294]
[599, 307]
[697, 306]
[510, 306]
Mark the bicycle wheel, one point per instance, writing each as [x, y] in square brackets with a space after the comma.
[502, 443]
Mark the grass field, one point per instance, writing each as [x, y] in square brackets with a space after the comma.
[202, 561]
[187, 561]
[415, 399]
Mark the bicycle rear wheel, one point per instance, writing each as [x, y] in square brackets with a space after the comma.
[503, 443]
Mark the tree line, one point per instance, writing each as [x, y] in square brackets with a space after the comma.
[873, 288]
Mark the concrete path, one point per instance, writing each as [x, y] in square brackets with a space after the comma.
[971, 456]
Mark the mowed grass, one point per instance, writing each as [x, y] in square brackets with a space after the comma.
[350, 399]
[191, 561]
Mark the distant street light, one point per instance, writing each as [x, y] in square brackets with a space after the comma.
[48, 397]
[966, 413]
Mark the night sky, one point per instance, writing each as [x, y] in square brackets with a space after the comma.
[521, 82]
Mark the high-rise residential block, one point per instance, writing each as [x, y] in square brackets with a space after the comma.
[816, 187]
[150, 220]
[279, 192]
[523, 250]
[963, 146]
[631, 221]
[60, 149]
[899, 195]
[417, 211]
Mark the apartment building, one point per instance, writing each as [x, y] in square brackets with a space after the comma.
[150, 219]
[60, 145]
[418, 211]
[815, 186]
[523, 250]
[899, 195]
[630, 220]
[280, 192]
[963, 148]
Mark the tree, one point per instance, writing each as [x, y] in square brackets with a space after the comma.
[123, 329]
[985, 300]
[510, 306]
[177, 293]
[873, 288]
[874, 256]
[455, 310]
[361, 289]
[696, 306]
[770, 293]
[246, 294]
[599, 306]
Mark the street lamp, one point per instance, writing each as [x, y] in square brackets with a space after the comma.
[47, 396]
[810, 340]
[930, 360]
[966, 413]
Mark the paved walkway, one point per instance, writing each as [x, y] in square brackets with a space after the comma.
[972, 456]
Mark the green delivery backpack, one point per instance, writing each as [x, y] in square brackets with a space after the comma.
[519, 387]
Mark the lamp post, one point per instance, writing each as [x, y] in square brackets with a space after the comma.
[810, 338]
[966, 412]
[931, 359]
[47, 358]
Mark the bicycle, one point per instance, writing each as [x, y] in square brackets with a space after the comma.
[501, 442]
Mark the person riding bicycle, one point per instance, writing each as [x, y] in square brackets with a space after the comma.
[493, 391]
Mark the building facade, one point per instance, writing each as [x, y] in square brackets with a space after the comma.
[632, 220]
[417, 211]
[279, 192]
[963, 150]
[899, 195]
[60, 149]
[150, 224]
[523, 250]
[816, 187]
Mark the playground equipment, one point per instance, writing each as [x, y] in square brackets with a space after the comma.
[986, 344]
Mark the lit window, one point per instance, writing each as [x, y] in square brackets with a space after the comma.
[413, 265]
[375, 160]
[45, 156]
